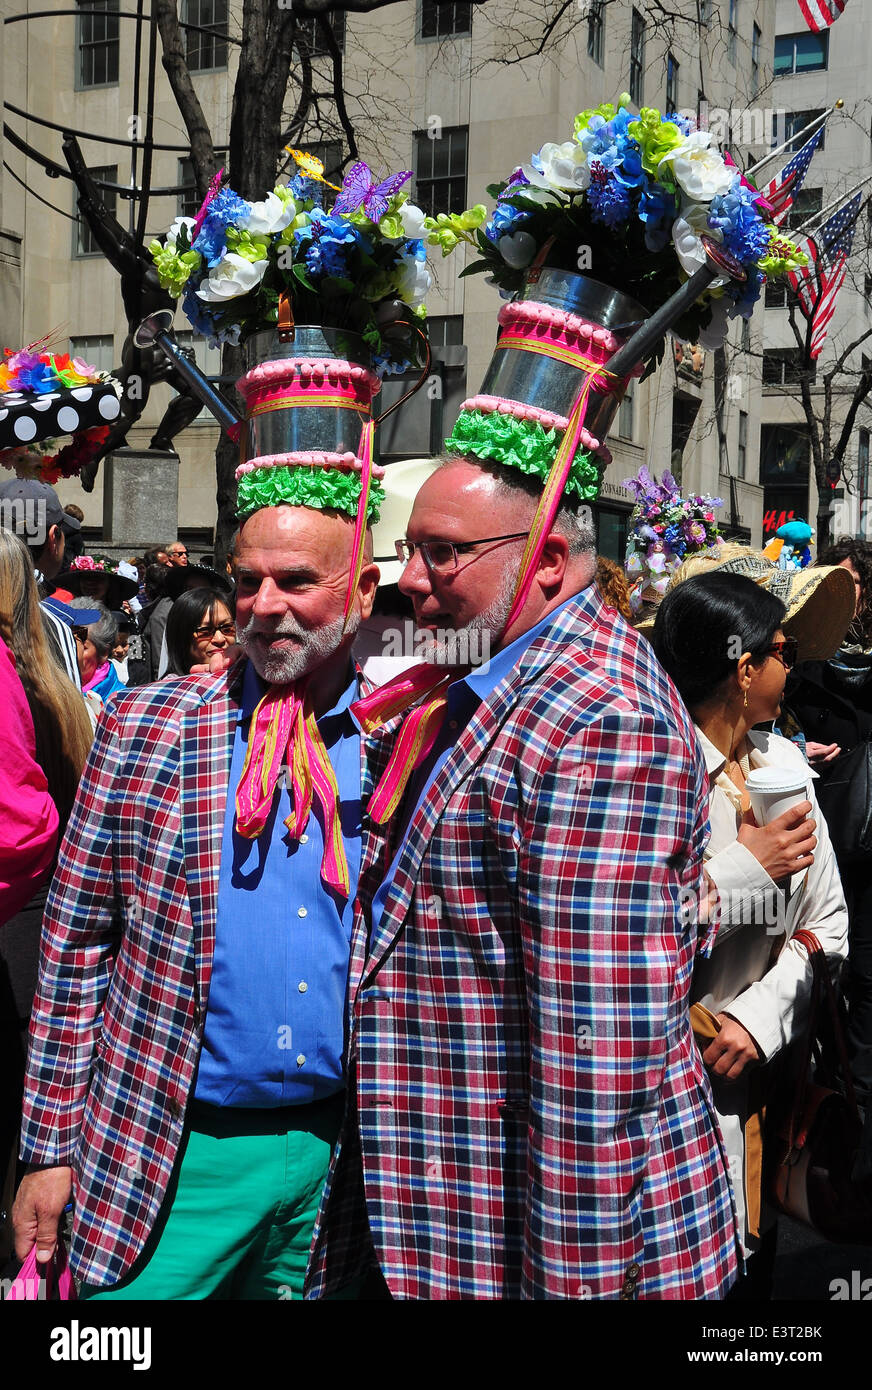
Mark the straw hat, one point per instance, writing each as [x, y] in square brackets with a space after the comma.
[819, 600]
[401, 482]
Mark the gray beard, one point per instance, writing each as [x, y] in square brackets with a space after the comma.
[291, 663]
[472, 644]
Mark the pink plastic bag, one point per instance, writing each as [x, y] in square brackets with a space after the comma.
[26, 1283]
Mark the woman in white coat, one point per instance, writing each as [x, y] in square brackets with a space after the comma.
[719, 637]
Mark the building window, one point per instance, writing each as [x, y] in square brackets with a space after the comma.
[445, 330]
[671, 83]
[596, 32]
[98, 43]
[776, 294]
[188, 199]
[85, 243]
[755, 59]
[444, 21]
[627, 412]
[637, 56]
[867, 290]
[785, 451]
[806, 203]
[785, 367]
[732, 30]
[801, 52]
[790, 123]
[705, 11]
[743, 444]
[206, 52]
[96, 351]
[440, 170]
[308, 35]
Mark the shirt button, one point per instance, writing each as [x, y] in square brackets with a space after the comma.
[301, 912]
[302, 986]
[304, 839]
[301, 1057]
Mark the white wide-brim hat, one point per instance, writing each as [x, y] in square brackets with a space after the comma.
[401, 483]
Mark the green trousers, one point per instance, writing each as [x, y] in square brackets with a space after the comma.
[239, 1213]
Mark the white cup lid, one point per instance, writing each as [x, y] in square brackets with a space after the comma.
[778, 780]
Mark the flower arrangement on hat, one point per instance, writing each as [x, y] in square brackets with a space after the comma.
[358, 266]
[639, 192]
[47, 462]
[667, 528]
[42, 372]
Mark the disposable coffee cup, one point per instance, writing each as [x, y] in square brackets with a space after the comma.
[773, 790]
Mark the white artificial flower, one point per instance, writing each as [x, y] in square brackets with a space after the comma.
[700, 172]
[274, 214]
[231, 277]
[715, 335]
[687, 231]
[564, 170]
[413, 281]
[412, 218]
[180, 222]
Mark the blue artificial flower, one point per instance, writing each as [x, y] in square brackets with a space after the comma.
[198, 315]
[734, 215]
[39, 378]
[683, 123]
[745, 296]
[656, 209]
[608, 141]
[502, 221]
[328, 241]
[609, 199]
[225, 207]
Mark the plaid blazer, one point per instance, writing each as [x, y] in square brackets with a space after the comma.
[528, 1114]
[126, 958]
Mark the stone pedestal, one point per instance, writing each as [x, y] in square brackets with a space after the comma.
[140, 500]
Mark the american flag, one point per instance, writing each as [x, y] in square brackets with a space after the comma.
[817, 284]
[820, 14]
[780, 192]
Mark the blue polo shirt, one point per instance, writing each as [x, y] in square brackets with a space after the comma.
[463, 698]
[274, 1029]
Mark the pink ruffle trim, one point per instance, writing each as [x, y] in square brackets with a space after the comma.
[493, 405]
[344, 463]
[315, 372]
[568, 330]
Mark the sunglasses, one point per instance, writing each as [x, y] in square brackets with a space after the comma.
[786, 652]
[227, 629]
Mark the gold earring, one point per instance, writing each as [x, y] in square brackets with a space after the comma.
[745, 704]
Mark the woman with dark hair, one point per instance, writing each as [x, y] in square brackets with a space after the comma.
[719, 637]
[201, 623]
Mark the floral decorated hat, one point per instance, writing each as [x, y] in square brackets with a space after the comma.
[666, 529]
[45, 395]
[120, 586]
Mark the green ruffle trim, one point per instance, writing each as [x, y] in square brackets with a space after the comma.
[324, 488]
[523, 444]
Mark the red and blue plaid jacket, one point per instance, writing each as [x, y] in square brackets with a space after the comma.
[529, 1116]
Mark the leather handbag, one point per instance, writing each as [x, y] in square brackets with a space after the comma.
[844, 794]
[816, 1141]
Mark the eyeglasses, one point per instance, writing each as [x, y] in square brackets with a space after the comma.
[80, 634]
[226, 629]
[786, 652]
[441, 557]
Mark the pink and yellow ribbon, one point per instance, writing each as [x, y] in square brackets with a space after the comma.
[417, 735]
[283, 729]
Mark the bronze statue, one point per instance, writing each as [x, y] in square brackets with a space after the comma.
[141, 368]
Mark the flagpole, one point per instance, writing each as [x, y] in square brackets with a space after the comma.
[806, 130]
[819, 216]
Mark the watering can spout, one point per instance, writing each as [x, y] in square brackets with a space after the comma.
[157, 331]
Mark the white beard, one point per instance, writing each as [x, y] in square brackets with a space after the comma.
[287, 664]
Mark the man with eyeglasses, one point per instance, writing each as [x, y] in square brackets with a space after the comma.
[528, 1114]
[177, 553]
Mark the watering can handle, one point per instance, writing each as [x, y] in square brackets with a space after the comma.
[285, 319]
[418, 384]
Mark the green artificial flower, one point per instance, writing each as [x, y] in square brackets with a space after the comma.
[174, 268]
[449, 229]
[322, 488]
[251, 246]
[655, 138]
[780, 256]
[525, 445]
[391, 226]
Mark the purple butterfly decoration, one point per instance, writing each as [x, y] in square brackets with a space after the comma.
[359, 190]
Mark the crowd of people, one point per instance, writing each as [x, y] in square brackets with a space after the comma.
[334, 991]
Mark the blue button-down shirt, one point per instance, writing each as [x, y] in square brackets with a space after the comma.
[463, 698]
[274, 1029]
